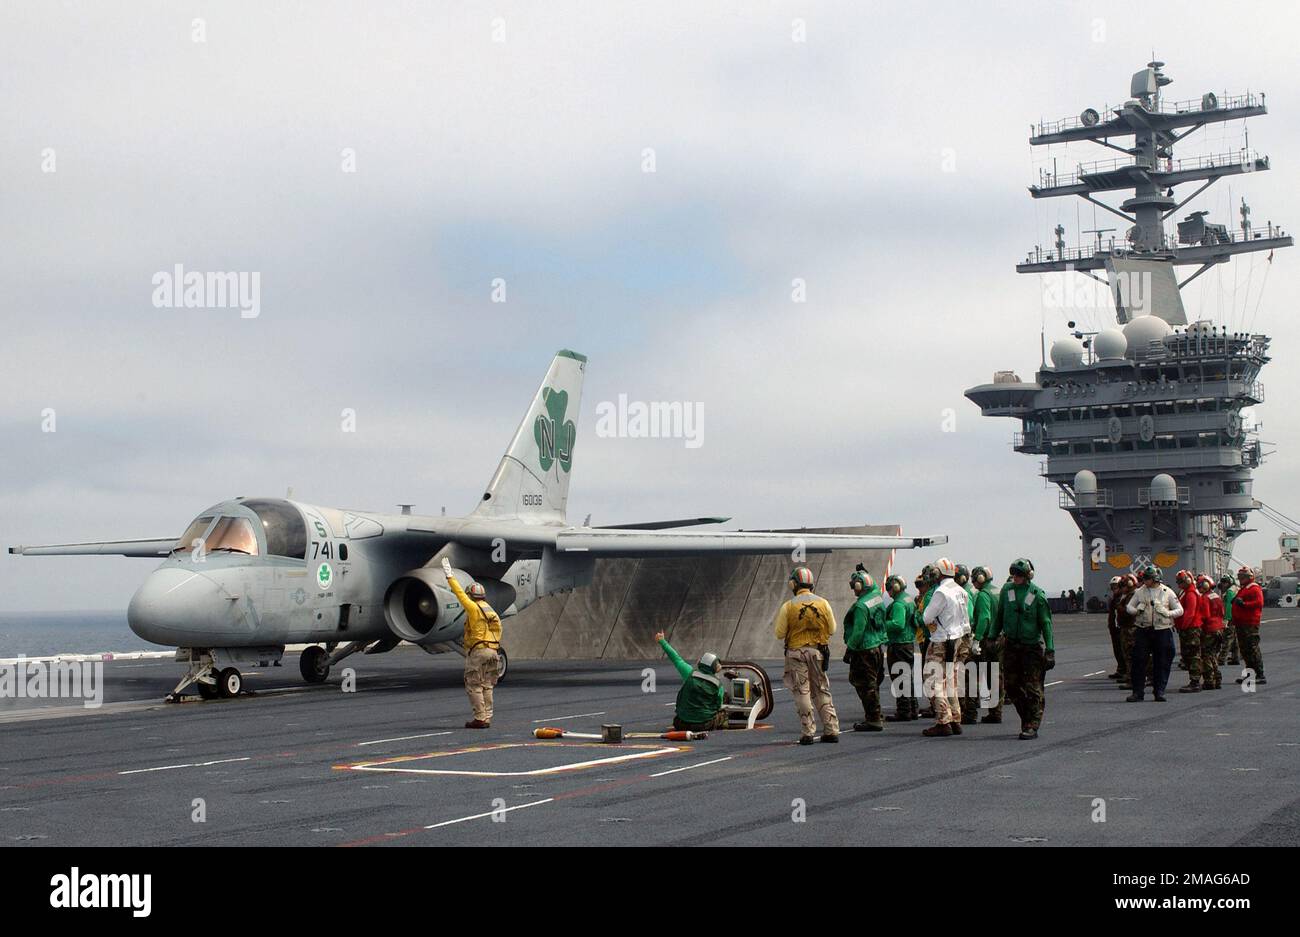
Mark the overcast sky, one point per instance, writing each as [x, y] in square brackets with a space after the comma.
[883, 161]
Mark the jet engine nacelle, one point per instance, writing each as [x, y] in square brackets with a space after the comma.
[420, 608]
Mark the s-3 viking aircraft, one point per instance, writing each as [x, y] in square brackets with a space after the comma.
[251, 575]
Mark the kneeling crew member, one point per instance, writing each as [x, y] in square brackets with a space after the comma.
[1029, 650]
[864, 637]
[699, 701]
[482, 640]
[805, 623]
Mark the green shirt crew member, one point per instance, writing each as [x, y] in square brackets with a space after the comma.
[900, 633]
[1022, 615]
[699, 701]
[864, 636]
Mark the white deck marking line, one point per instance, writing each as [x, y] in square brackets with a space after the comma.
[404, 738]
[1053, 683]
[1095, 673]
[562, 718]
[702, 764]
[558, 769]
[480, 816]
[196, 764]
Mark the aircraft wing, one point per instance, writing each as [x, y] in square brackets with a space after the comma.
[145, 548]
[631, 543]
[665, 525]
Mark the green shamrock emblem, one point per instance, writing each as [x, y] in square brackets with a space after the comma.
[554, 435]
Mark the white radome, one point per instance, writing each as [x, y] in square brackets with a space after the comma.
[1067, 353]
[1142, 331]
[1164, 488]
[1110, 344]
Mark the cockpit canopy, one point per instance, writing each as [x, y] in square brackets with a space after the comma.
[233, 527]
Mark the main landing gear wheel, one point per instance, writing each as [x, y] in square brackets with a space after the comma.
[229, 683]
[314, 664]
[503, 664]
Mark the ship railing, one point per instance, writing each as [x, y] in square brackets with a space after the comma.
[1119, 248]
[1101, 498]
[1182, 496]
[1226, 102]
[1052, 180]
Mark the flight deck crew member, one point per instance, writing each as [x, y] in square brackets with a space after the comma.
[699, 701]
[1211, 633]
[988, 649]
[1112, 624]
[1127, 628]
[1228, 653]
[805, 623]
[900, 631]
[1029, 651]
[1247, 605]
[864, 638]
[1188, 625]
[1154, 607]
[968, 699]
[948, 617]
[482, 641]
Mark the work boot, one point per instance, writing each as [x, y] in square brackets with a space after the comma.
[868, 727]
[901, 716]
[991, 720]
[478, 724]
[1134, 698]
[968, 720]
[1159, 698]
[805, 740]
[1029, 733]
[829, 738]
[938, 730]
[1126, 685]
[929, 713]
[1190, 688]
[955, 727]
[1233, 662]
[1115, 676]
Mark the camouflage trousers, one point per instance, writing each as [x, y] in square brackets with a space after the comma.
[1211, 675]
[1248, 644]
[866, 671]
[1127, 636]
[719, 721]
[899, 655]
[940, 681]
[1024, 666]
[480, 677]
[990, 654]
[968, 703]
[1228, 649]
[811, 687]
[1189, 647]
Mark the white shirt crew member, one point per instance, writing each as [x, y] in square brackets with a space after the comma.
[949, 607]
[1155, 607]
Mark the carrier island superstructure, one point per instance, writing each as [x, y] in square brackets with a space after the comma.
[1140, 423]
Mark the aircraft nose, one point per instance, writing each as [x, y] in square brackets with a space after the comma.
[180, 607]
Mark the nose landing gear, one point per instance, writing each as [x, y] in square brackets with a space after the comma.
[212, 672]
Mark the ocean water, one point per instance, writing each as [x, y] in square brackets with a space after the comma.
[37, 634]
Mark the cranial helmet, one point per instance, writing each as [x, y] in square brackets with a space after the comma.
[476, 591]
[980, 575]
[1115, 581]
[946, 567]
[801, 578]
[863, 577]
[1246, 573]
[1184, 577]
[709, 663]
[1204, 583]
[1152, 572]
[894, 585]
[962, 576]
[1022, 567]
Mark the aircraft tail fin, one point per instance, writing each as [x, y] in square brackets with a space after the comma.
[532, 481]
